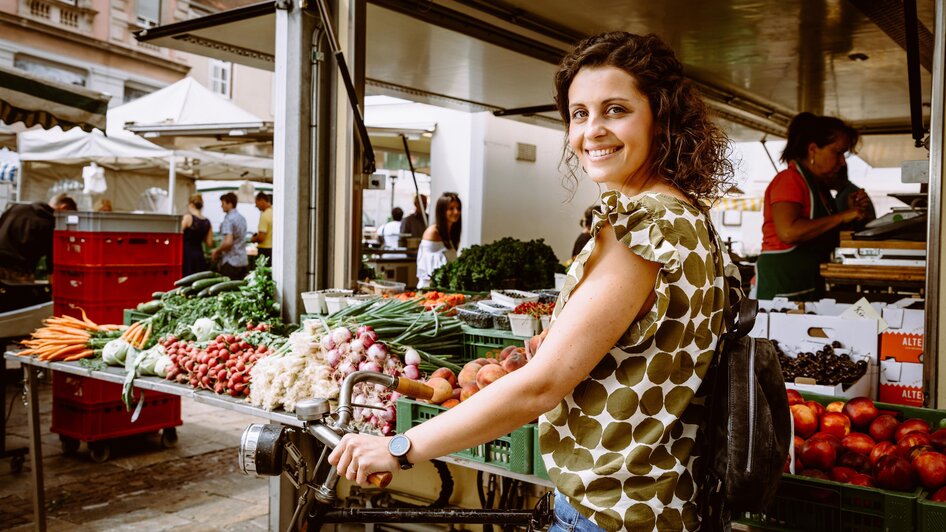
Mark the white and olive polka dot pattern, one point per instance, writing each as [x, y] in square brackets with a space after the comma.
[621, 446]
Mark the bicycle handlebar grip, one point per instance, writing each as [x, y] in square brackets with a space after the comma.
[412, 388]
[380, 480]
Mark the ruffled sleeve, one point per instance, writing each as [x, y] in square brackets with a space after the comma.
[655, 227]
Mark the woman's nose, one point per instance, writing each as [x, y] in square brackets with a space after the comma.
[595, 126]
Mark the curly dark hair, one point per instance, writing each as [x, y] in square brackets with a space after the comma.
[688, 150]
[806, 128]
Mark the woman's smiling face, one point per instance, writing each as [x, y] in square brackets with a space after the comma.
[611, 126]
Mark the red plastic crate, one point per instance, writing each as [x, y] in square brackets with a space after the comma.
[99, 312]
[84, 248]
[102, 422]
[112, 283]
[86, 390]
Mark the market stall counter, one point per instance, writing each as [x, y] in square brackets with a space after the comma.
[33, 369]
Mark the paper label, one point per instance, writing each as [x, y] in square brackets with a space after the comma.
[863, 310]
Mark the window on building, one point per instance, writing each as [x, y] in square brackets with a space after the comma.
[220, 77]
[133, 91]
[148, 13]
[51, 70]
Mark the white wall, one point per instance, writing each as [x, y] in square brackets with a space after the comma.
[527, 200]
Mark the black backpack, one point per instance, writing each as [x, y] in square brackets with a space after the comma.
[747, 430]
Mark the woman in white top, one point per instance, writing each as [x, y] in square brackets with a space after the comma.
[441, 239]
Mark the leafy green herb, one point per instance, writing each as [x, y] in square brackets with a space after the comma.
[505, 263]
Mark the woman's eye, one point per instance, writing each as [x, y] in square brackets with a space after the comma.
[615, 109]
[579, 113]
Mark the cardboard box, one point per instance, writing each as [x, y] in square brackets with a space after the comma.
[901, 357]
[830, 307]
[798, 333]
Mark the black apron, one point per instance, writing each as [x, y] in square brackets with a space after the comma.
[795, 273]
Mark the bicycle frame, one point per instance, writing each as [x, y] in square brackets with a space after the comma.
[268, 450]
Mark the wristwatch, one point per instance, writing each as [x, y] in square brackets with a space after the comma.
[399, 446]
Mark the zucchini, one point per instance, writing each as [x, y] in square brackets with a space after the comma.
[189, 280]
[157, 295]
[225, 287]
[207, 283]
[150, 307]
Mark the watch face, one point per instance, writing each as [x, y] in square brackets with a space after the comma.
[399, 445]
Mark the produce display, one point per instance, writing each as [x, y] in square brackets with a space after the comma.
[857, 443]
[536, 310]
[825, 365]
[507, 263]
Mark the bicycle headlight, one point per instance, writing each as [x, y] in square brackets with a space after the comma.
[262, 448]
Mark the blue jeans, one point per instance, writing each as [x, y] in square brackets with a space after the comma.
[567, 518]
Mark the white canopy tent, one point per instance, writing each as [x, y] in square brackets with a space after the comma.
[55, 154]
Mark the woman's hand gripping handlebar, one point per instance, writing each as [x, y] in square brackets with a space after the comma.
[414, 390]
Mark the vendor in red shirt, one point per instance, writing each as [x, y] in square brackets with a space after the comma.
[800, 219]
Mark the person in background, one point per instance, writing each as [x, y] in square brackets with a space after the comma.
[104, 205]
[232, 249]
[415, 224]
[801, 221]
[585, 236]
[264, 232]
[441, 239]
[26, 235]
[390, 233]
[614, 383]
[849, 195]
[197, 234]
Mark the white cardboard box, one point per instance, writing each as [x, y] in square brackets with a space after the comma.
[797, 333]
[901, 357]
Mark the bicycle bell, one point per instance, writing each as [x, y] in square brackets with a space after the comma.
[262, 448]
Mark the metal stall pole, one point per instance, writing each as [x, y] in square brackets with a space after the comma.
[36, 447]
[933, 373]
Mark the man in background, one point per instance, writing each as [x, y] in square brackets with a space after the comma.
[414, 224]
[390, 233]
[26, 235]
[231, 252]
[264, 232]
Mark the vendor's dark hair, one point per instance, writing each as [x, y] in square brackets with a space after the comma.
[451, 240]
[688, 149]
[589, 216]
[230, 198]
[397, 213]
[806, 128]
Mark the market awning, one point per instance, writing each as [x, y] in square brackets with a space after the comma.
[33, 100]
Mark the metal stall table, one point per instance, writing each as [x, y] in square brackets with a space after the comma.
[33, 367]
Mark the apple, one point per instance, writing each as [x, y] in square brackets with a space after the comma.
[939, 495]
[805, 421]
[939, 439]
[830, 438]
[835, 406]
[798, 441]
[857, 462]
[914, 452]
[896, 473]
[860, 479]
[818, 454]
[842, 474]
[836, 423]
[862, 412]
[858, 442]
[931, 468]
[794, 397]
[883, 428]
[816, 473]
[880, 450]
[911, 440]
[911, 425]
[816, 407]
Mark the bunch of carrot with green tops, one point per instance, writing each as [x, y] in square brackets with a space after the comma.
[67, 338]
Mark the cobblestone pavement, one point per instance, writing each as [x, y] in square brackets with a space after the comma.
[143, 486]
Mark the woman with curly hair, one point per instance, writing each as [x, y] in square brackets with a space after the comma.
[614, 380]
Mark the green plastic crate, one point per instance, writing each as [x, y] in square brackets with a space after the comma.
[512, 452]
[538, 466]
[930, 515]
[486, 343]
[804, 503]
[131, 316]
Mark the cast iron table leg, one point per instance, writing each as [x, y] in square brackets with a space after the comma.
[36, 448]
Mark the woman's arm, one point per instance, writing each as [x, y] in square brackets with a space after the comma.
[616, 285]
[209, 238]
[432, 234]
[186, 221]
[792, 226]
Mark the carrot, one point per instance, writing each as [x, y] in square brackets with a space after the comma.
[129, 332]
[85, 318]
[26, 352]
[147, 335]
[81, 354]
[61, 353]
